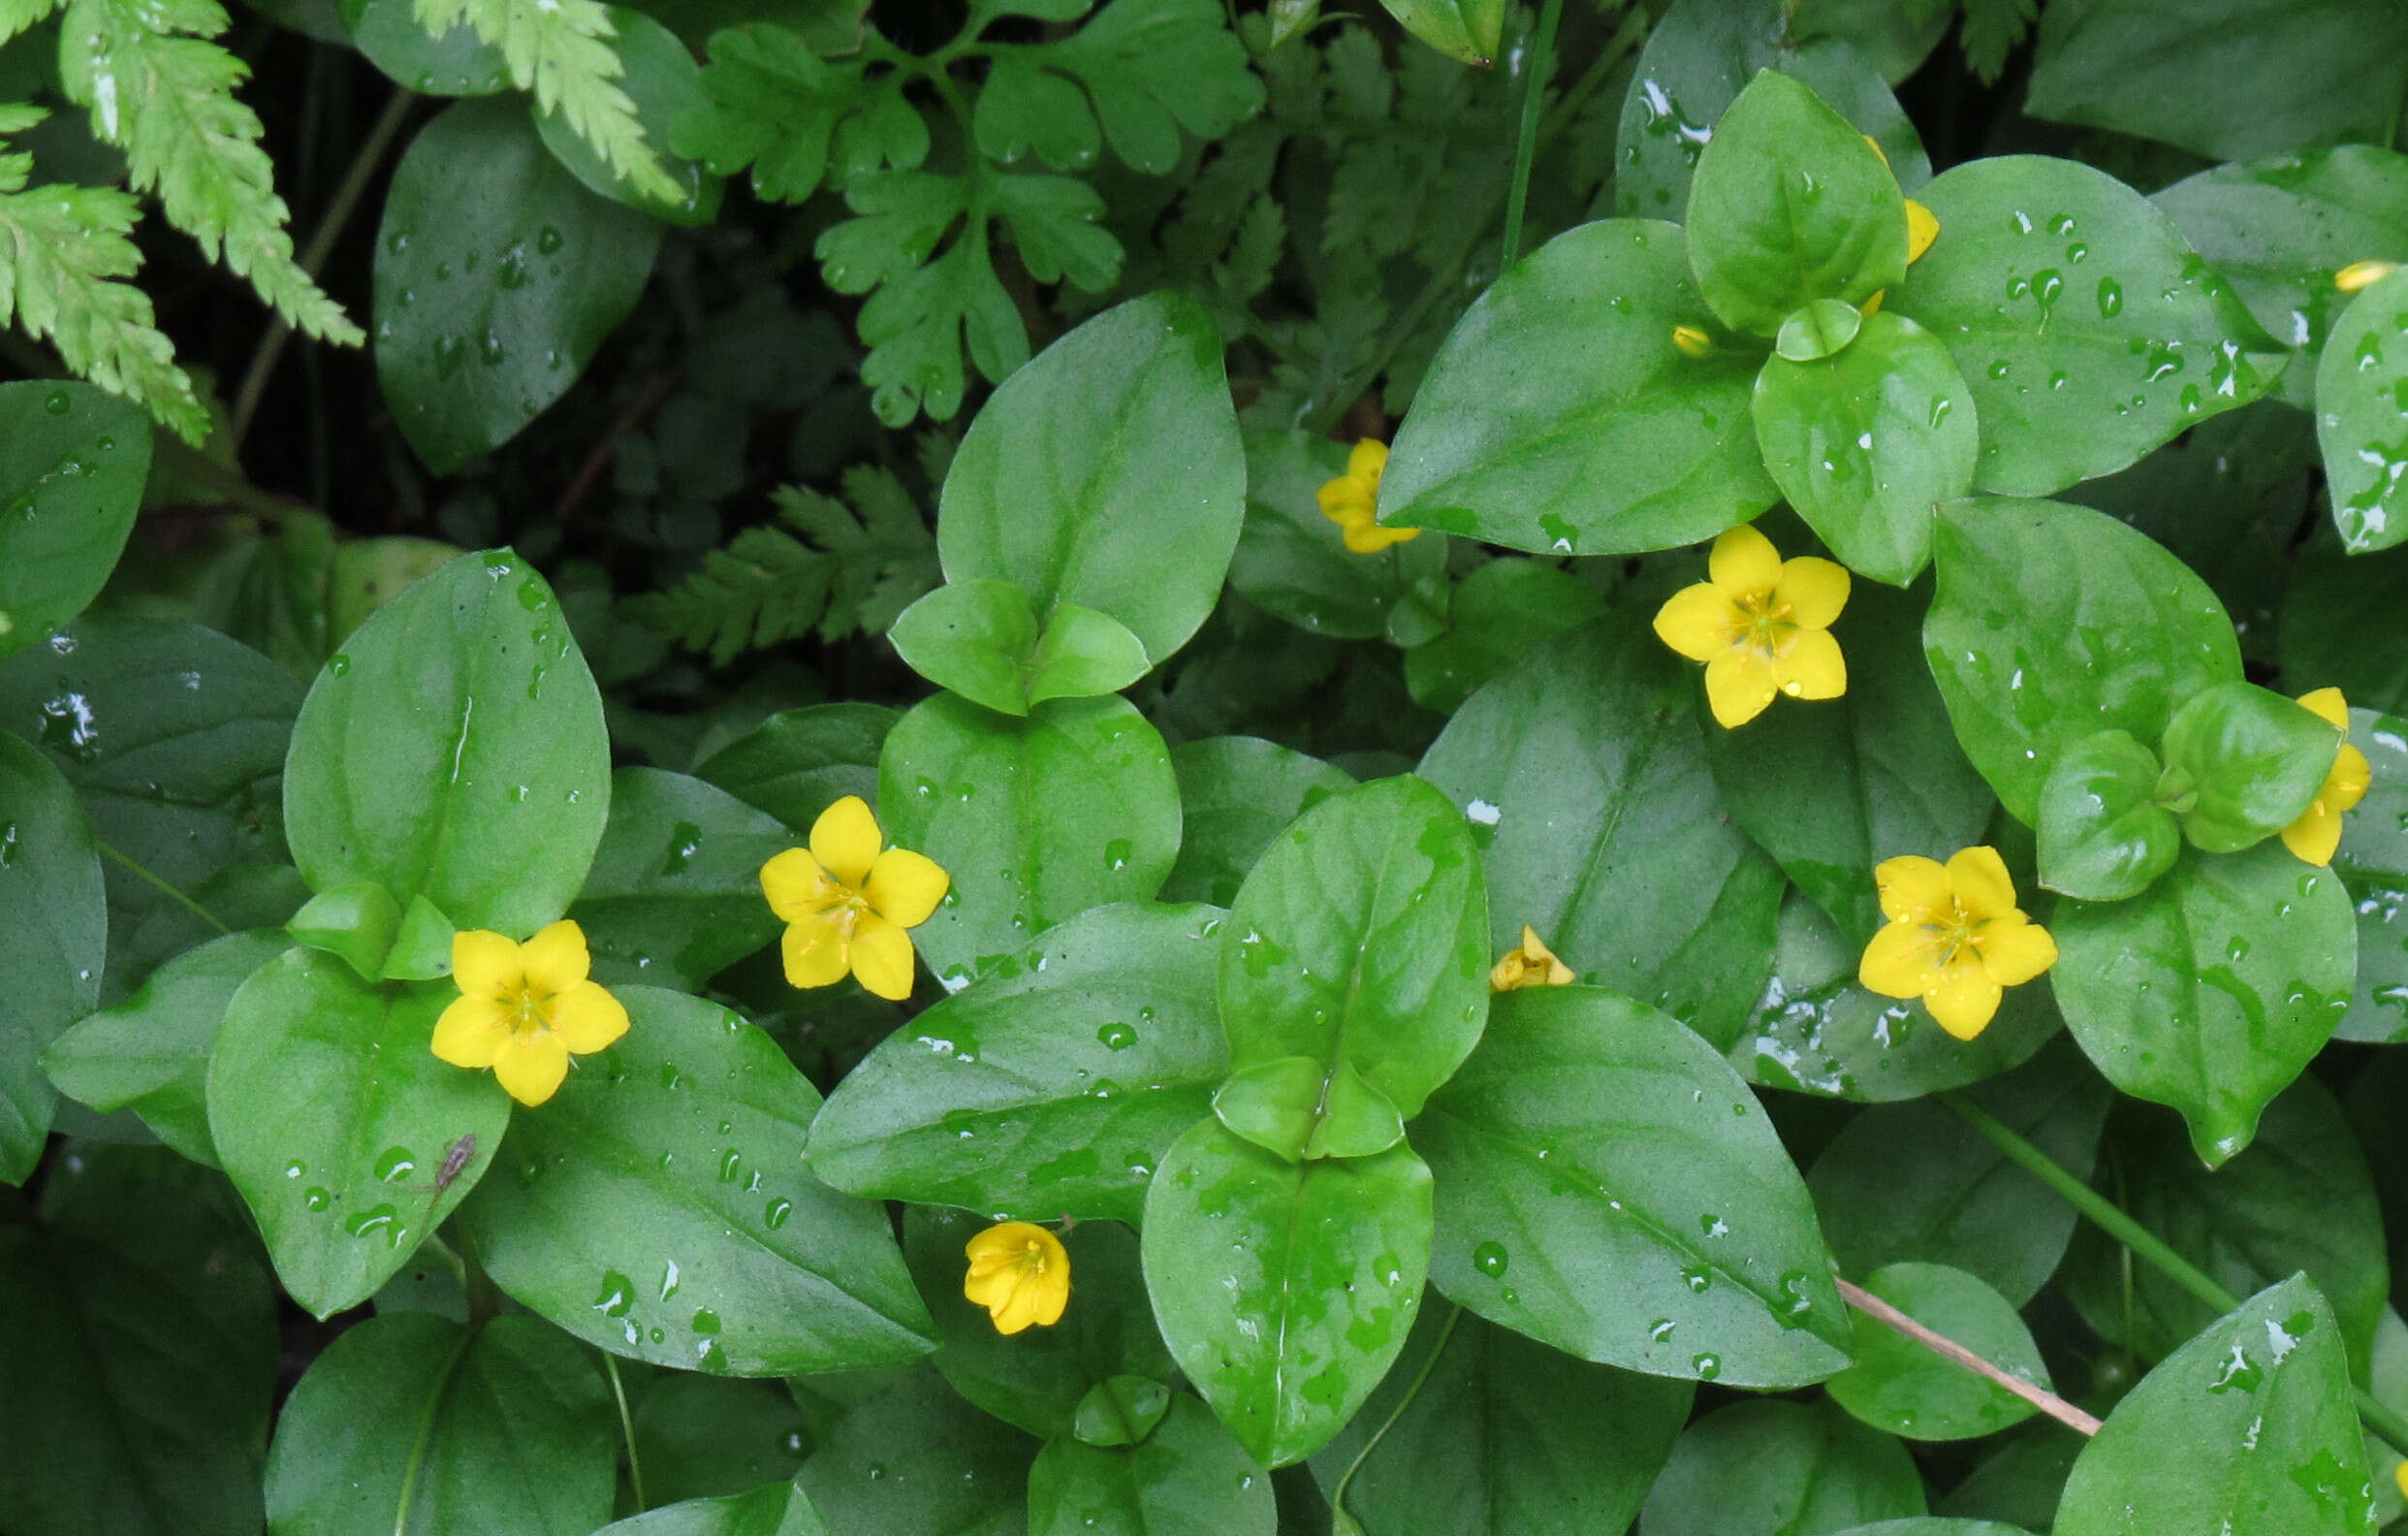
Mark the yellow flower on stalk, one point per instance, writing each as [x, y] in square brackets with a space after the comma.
[1530, 964]
[1954, 937]
[1761, 624]
[2360, 276]
[2317, 834]
[1020, 1273]
[846, 900]
[1353, 498]
[525, 1008]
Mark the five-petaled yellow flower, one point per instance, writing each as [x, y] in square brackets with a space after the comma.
[525, 1008]
[1761, 624]
[1020, 1273]
[2317, 834]
[1954, 937]
[1350, 499]
[845, 903]
[1530, 964]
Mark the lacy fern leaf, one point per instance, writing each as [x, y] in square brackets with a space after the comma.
[560, 50]
[17, 16]
[63, 253]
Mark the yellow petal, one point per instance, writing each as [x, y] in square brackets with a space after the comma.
[1810, 665]
[1739, 684]
[2351, 776]
[485, 964]
[556, 959]
[846, 840]
[1051, 1293]
[1965, 1003]
[814, 952]
[1343, 500]
[796, 887]
[992, 1288]
[1365, 462]
[471, 1031]
[905, 887]
[588, 1019]
[2315, 837]
[1004, 1242]
[1873, 306]
[1812, 589]
[1743, 561]
[2014, 950]
[1018, 1311]
[1983, 887]
[881, 957]
[2328, 705]
[1923, 228]
[1901, 961]
[1370, 538]
[1508, 973]
[1914, 889]
[531, 1067]
[1697, 622]
[2360, 276]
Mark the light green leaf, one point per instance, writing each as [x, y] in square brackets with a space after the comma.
[70, 488]
[1469, 30]
[2104, 833]
[1898, 1385]
[776, 1509]
[2358, 417]
[52, 947]
[2254, 759]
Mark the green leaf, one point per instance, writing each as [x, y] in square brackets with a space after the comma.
[2087, 330]
[1912, 1182]
[2358, 417]
[397, 776]
[1505, 1437]
[1791, 204]
[1933, 1524]
[2281, 226]
[1156, 67]
[2020, 1481]
[151, 1053]
[2104, 833]
[497, 277]
[1899, 1386]
[915, 1458]
[68, 491]
[2312, 73]
[625, 1217]
[1831, 790]
[1021, 107]
[1189, 1475]
[1470, 30]
[1236, 794]
[1120, 1411]
[1293, 562]
[702, 1436]
[1084, 653]
[331, 1116]
[1285, 1289]
[2212, 991]
[663, 83]
[456, 62]
[50, 949]
[141, 1343]
[1573, 1153]
[2300, 1198]
[2264, 1395]
[675, 894]
[1047, 1089]
[979, 638]
[2332, 632]
[774, 105]
[1817, 330]
[1863, 443]
[2053, 623]
[2372, 862]
[1107, 473]
[356, 922]
[1895, 37]
[1353, 971]
[1583, 775]
[422, 946]
[1559, 417]
[778, 1509]
[1037, 819]
[2254, 758]
[1499, 613]
[1764, 1468]
[412, 1423]
[1042, 1378]
[799, 762]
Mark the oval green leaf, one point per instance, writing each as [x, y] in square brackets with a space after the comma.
[1900, 1385]
[2103, 834]
[1236, 794]
[2372, 862]
[1189, 1475]
[1765, 1468]
[73, 461]
[2360, 421]
[2253, 759]
[52, 947]
[660, 78]
[800, 761]
[675, 893]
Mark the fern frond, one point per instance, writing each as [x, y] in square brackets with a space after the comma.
[17, 16]
[560, 50]
[63, 251]
[158, 89]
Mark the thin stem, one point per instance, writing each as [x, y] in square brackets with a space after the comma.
[1338, 1495]
[1526, 146]
[162, 886]
[1940, 1344]
[483, 1296]
[2387, 1425]
[627, 1427]
[346, 202]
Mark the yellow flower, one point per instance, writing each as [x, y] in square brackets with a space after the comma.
[2359, 276]
[2318, 832]
[1351, 501]
[525, 1008]
[1020, 1273]
[1691, 343]
[1954, 937]
[845, 904]
[1923, 228]
[1530, 964]
[1761, 624]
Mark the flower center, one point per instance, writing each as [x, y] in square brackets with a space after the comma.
[530, 1012]
[1959, 935]
[1763, 622]
[1033, 1258]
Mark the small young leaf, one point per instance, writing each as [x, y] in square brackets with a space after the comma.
[2253, 759]
[2104, 833]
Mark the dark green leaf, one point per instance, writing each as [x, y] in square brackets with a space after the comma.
[1189, 1475]
[2254, 759]
[2333, 630]
[2372, 862]
[916, 1457]
[702, 1436]
[675, 893]
[1236, 794]
[1499, 613]
[2104, 834]
[75, 462]
[52, 947]
[457, 63]
[1293, 562]
[800, 761]
[1900, 1385]
[1773, 1468]
[664, 82]
[774, 105]
[1023, 107]
[2359, 396]
[779, 1509]
[1156, 67]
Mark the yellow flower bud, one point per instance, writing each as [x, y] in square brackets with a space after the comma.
[1530, 964]
[2359, 276]
[1692, 342]
[1020, 1273]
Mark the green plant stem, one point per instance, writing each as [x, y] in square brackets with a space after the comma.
[1947, 1349]
[1526, 145]
[426, 1431]
[2387, 1425]
[1338, 1495]
[627, 1427]
[162, 886]
[483, 1296]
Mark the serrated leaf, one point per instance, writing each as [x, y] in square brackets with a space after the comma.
[1155, 67]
